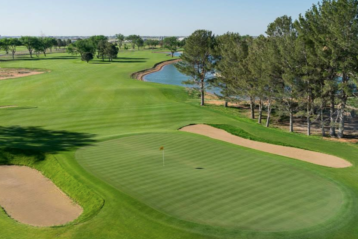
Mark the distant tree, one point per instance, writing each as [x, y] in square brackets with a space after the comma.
[53, 43]
[139, 42]
[80, 47]
[133, 40]
[155, 43]
[120, 38]
[5, 45]
[171, 43]
[181, 43]
[29, 43]
[13, 43]
[47, 43]
[111, 51]
[87, 56]
[151, 43]
[59, 43]
[101, 49]
[196, 61]
[95, 40]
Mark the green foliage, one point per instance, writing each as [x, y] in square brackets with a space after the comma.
[82, 46]
[171, 43]
[30, 43]
[87, 56]
[120, 38]
[134, 39]
[196, 60]
[151, 43]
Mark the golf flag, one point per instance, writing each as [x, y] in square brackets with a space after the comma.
[162, 149]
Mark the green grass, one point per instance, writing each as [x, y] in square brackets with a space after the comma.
[237, 189]
[77, 104]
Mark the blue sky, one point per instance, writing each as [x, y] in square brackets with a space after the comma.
[143, 17]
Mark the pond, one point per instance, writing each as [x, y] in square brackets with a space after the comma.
[171, 76]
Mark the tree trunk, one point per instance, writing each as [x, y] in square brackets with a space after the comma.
[252, 107]
[322, 120]
[172, 54]
[342, 109]
[30, 53]
[309, 116]
[332, 130]
[202, 93]
[226, 104]
[268, 113]
[13, 55]
[291, 121]
[260, 112]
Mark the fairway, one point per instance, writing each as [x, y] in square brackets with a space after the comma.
[237, 188]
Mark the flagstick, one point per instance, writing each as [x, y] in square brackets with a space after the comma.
[163, 159]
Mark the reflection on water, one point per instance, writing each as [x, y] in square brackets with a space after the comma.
[171, 76]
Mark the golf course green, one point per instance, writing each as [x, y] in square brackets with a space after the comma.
[213, 183]
[96, 133]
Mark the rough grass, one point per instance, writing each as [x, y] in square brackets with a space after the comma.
[77, 104]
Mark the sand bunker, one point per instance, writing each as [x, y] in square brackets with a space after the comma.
[6, 73]
[29, 197]
[8, 106]
[301, 154]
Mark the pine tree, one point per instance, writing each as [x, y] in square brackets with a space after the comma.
[196, 61]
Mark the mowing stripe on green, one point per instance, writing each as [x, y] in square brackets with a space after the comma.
[237, 188]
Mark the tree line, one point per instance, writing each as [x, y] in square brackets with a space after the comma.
[99, 46]
[35, 45]
[306, 67]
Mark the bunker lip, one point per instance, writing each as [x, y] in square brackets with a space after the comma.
[295, 153]
[30, 198]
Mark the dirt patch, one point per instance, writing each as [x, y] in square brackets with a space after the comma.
[140, 75]
[300, 154]
[17, 73]
[29, 197]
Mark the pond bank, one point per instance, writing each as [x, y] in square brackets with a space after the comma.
[157, 67]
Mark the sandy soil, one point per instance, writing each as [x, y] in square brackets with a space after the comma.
[16, 73]
[29, 197]
[140, 75]
[8, 106]
[304, 155]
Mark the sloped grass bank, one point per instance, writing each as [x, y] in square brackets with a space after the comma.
[48, 165]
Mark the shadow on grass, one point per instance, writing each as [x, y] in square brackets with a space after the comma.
[33, 143]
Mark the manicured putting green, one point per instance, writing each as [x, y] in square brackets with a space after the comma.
[235, 188]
